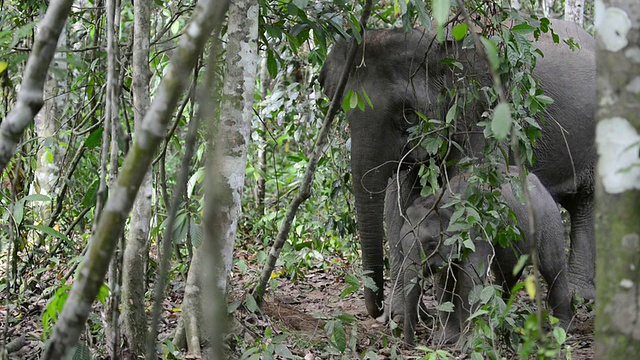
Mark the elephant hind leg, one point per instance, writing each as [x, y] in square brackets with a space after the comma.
[582, 253]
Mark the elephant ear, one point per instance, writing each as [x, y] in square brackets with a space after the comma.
[332, 68]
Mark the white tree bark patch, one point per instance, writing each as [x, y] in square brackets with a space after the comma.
[619, 155]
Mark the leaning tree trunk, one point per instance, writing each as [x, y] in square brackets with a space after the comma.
[135, 253]
[617, 333]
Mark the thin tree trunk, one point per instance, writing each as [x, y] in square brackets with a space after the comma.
[617, 328]
[207, 15]
[262, 142]
[135, 253]
[226, 166]
[35, 74]
[112, 116]
[574, 11]
[47, 126]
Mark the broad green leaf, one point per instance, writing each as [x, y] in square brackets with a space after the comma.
[272, 64]
[339, 337]
[441, 11]
[36, 197]
[301, 4]
[501, 122]
[492, 52]
[346, 102]
[94, 139]
[544, 99]
[468, 243]
[445, 307]
[353, 100]
[49, 231]
[250, 303]
[560, 335]
[522, 29]
[459, 31]
[3, 66]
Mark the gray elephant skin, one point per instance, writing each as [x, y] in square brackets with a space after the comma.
[403, 73]
[423, 238]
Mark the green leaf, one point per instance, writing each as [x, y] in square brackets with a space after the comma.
[272, 64]
[522, 29]
[560, 335]
[353, 100]
[36, 197]
[468, 243]
[441, 11]
[49, 231]
[301, 4]
[522, 261]
[339, 337]
[346, 102]
[544, 99]
[459, 31]
[251, 303]
[501, 122]
[366, 97]
[445, 307]
[492, 52]
[3, 66]
[94, 139]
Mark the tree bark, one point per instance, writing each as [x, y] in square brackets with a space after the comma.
[207, 15]
[226, 167]
[135, 253]
[617, 328]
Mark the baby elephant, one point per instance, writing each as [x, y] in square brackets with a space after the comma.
[423, 237]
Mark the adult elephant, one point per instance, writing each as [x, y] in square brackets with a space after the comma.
[404, 73]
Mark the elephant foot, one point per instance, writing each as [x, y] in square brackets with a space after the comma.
[582, 287]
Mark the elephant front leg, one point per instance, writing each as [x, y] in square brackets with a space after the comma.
[582, 256]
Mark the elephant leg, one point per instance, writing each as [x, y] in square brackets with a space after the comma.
[554, 272]
[582, 255]
[412, 292]
[393, 214]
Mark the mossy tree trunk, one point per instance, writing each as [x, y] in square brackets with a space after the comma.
[617, 333]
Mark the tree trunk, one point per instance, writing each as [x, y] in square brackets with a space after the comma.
[135, 253]
[226, 167]
[47, 127]
[112, 116]
[617, 332]
[574, 11]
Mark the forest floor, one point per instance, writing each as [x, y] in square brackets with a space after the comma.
[300, 310]
[295, 320]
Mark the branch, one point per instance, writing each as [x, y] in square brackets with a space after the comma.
[30, 97]
[305, 187]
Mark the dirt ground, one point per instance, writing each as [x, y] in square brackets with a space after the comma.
[299, 310]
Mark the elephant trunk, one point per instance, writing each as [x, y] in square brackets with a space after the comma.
[370, 211]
